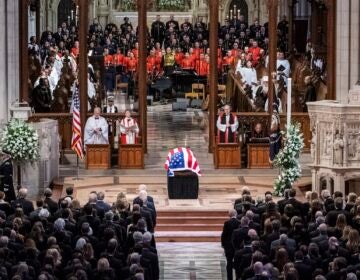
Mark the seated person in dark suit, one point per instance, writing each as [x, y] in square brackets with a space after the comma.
[258, 135]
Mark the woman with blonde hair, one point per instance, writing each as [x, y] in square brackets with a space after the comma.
[103, 270]
[122, 205]
[353, 243]
[339, 226]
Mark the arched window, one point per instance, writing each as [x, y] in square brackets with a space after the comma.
[64, 11]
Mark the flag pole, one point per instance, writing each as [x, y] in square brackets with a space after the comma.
[77, 167]
[77, 178]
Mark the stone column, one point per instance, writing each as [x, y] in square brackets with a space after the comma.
[83, 64]
[142, 82]
[103, 12]
[13, 54]
[290, 8]
[213, 75]
[354, 42]
[273, 9]
[331, 48]
[23, 45]
[38, 16]
[3, 58]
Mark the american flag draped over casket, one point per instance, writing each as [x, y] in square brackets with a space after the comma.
[181, 159]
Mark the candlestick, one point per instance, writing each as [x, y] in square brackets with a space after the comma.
[231, 14]
[239, 14]
[69, 20]
[288, 111]
[72, 14]
[234, 11]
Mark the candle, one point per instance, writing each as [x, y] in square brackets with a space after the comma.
[234, 11]
[238, 14]
[231, 14]
[69, 20]
[94, 10]
[288, 111]
[72, 14]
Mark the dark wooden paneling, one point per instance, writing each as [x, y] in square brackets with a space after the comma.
[258, 155]
[98, 157]
[131, 156]
[227, 156]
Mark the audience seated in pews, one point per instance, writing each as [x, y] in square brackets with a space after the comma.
[61, 240]
[290, 239]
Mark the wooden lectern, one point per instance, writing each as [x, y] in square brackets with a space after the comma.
[98, 156]
[258, 155]
[227, 155]
[131, 156]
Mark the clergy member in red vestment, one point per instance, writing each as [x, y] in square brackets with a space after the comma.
[227, 125]
[129, 129]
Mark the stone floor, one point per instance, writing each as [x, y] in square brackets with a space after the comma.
[191, 261]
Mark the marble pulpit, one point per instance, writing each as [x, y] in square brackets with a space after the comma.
[335, 143]
[39, 175]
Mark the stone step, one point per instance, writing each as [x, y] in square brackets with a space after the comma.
[188, 236]
[190, 220]
[189, 227]
[192, 213]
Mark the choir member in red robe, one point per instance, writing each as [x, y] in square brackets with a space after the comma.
[187, 63]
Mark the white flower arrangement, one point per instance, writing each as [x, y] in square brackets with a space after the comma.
[171, 4]
[128, 5]
[21, 141]
[288, 159]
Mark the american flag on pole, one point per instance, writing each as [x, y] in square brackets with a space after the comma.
[181, 159]
[76, 141]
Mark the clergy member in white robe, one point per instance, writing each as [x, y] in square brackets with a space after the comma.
[129, 129]
[96, 129]
[249, 76]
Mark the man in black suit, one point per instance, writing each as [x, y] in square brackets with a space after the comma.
[322, 239]
[22, 202]
[305, 270]
[284, 241]
[158, 30]
[331, 217]
[243, 257]
[146, 216]
[229, 226]
[240, 234]
[298, 206]
[282, 202]
[150, 260]
[89, 218]
[51, 204]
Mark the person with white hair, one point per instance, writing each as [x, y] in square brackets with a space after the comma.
[22, 202]
[143, 187]
[227, 125]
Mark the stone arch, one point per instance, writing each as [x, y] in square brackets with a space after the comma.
[256, 9]
[63, 10]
